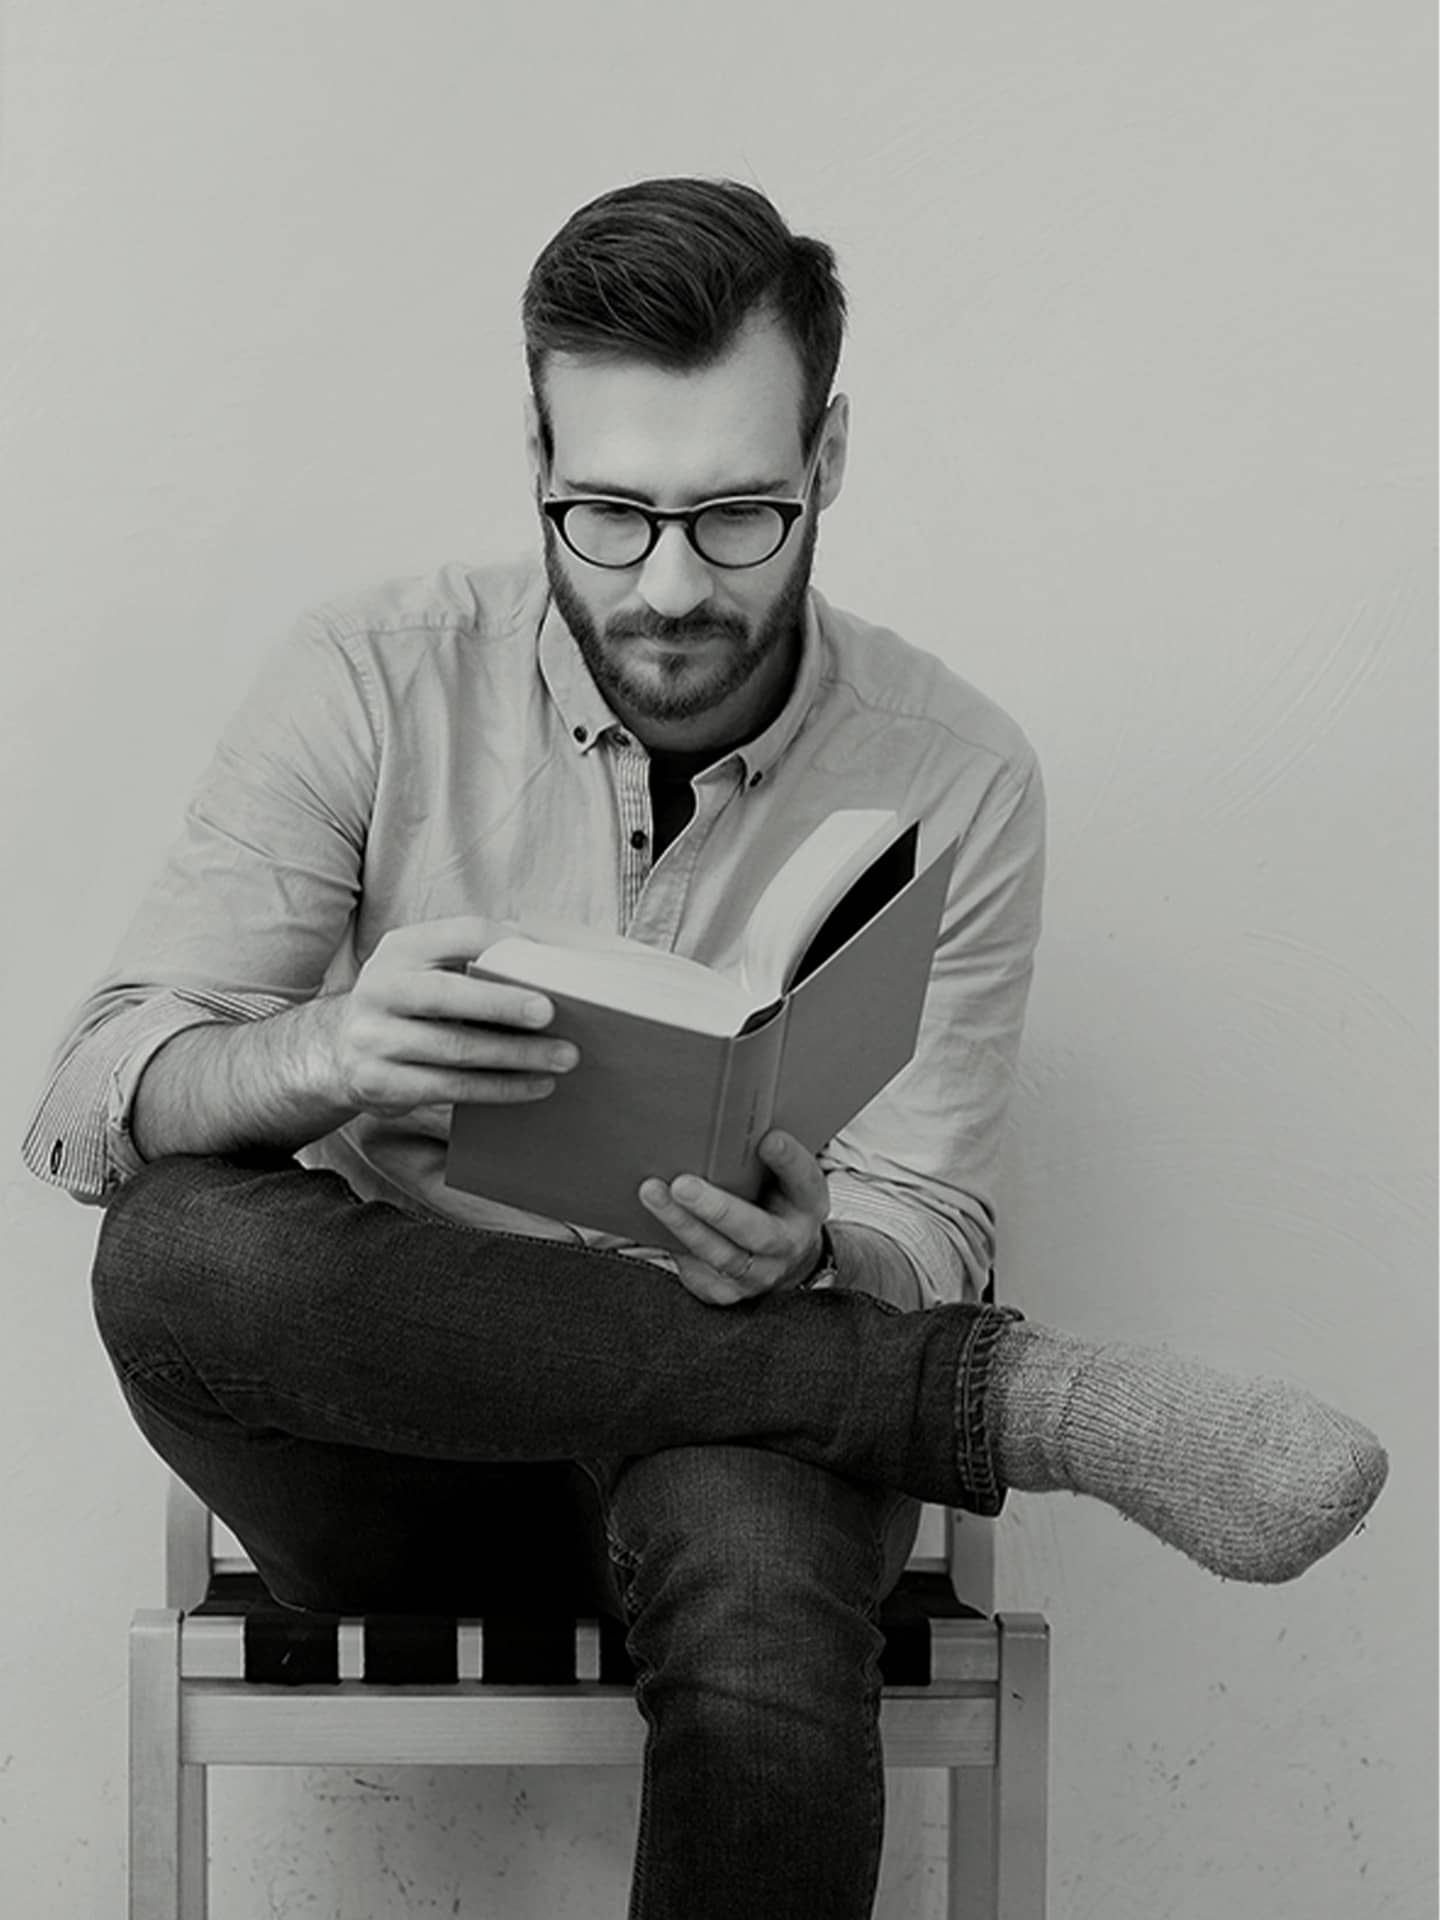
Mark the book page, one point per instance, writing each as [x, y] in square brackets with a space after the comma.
[804, 890]
[628, 976]
[892, 869]
[853, 1022]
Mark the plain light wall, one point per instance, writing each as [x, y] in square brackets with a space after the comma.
[1142, 370]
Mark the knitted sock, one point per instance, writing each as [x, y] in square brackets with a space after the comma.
[1255, 1479]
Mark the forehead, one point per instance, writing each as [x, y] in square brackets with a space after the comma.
[643, 428]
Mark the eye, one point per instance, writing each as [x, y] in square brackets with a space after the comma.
[740, 513]
[610, 511]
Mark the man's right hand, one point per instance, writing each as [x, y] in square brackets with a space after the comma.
[416, 1030]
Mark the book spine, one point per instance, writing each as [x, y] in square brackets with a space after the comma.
[743, 1107]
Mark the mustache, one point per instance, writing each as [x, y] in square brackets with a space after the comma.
[691, 626]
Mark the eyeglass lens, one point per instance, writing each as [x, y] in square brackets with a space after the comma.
[737, 535]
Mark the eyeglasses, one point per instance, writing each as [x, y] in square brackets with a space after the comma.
[734, 532]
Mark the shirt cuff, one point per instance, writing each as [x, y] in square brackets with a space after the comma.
[81, 1136]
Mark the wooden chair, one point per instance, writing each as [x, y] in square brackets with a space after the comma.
[221, 1676]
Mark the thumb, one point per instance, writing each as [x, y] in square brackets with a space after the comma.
[802, 1180]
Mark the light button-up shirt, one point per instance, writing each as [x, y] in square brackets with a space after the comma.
[436, 746]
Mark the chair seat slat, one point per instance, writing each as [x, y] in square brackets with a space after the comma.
[937, 1642]
[230, 1723]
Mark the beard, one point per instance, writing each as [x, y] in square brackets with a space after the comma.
[676, 686]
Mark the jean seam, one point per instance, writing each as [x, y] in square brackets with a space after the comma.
[873, 1678]
[981, 1491]
[640, 1862]
[508, 1233]
[627, 1565]
[370, 1433]
[138, 1374]
[861, 1293]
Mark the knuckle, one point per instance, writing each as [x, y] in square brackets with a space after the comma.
[508, 1005]
[459, 1047]
[367, 1083]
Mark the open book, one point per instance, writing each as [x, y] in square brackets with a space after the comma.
[684, 1069]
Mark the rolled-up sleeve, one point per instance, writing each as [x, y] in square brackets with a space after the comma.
[919, 1163]
[245, 914]
[80, 1133]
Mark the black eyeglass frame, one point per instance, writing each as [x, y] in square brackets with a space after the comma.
[658, 518]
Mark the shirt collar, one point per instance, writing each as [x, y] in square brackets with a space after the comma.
[588, 716]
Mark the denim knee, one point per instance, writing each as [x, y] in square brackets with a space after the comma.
[169, 1248]
[749, 1633]
[133, 1254]
[739, 1584]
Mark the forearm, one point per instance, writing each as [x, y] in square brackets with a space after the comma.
[269, 1082]
[870, 1262]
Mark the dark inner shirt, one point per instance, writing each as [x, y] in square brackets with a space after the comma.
[672, 799]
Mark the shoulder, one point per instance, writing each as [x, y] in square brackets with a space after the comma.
[888, 683]
[394, 662]
[450, 603]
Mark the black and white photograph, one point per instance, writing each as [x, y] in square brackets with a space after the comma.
[719, 792]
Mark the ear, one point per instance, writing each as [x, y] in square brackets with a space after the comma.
[834, 447]
[534, 446]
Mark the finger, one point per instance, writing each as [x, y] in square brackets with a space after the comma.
[396, 1090]
[800, 1177]
[470, 1047]
[735, 1222]
[459, 996]
[726, 1251]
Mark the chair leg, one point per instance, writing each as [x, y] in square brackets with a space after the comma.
[1022, 1767]
[194, 1844]
[971, 1845]
[156, 1825]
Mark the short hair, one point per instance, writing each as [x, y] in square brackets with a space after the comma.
[668, 271]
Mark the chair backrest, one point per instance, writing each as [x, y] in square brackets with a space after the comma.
[196, 1546]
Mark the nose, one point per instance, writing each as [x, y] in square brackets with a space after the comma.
[674, 578]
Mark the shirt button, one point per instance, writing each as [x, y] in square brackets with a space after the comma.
[639, 837]
[756, 778]
[582, 734]
[622, 739]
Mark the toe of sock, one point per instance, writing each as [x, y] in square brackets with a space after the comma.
[1313, 1476]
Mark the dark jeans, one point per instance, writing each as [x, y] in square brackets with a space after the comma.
[394, 1413]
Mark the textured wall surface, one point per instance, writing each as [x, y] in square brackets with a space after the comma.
[1142, 370]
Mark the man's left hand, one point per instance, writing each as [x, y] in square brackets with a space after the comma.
[739, 1248]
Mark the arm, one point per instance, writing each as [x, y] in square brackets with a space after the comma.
[871, 1262]
[216, 1025]
[411, 1032]
[242, 920]
[213, 1088]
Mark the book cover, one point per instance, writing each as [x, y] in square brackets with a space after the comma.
[651, 1097]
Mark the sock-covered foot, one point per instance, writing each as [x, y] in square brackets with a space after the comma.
[1255, 1479]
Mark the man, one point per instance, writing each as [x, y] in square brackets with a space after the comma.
[402, 1397]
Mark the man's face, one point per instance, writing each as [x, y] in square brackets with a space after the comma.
[688, 654]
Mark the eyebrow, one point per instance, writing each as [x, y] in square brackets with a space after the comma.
[766, 488]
